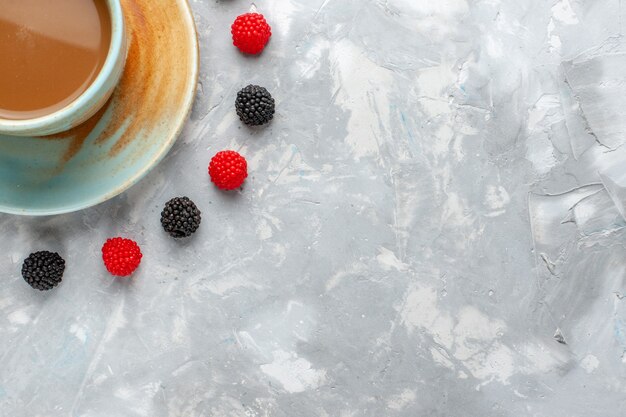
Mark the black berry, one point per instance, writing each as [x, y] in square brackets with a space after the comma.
[180, 217]
[255, 105]
[43, 270]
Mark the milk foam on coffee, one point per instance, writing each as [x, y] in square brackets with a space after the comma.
[51, 51]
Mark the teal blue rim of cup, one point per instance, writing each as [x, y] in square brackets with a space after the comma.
[158, 156]
[65, 117]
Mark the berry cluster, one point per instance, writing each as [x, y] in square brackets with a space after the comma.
[255, 105]
[180, 217]
[121, 256]
[251, 33]
[228, 170]
[43, 270]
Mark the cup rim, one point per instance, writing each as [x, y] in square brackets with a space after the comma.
[66, 115]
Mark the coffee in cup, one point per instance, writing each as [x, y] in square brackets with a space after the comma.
[59, 62]
[51, 53]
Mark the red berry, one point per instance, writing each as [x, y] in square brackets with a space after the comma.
[121, 256]
[251, 33]
[228, 170]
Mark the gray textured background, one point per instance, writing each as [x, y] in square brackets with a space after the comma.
[433, 226]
